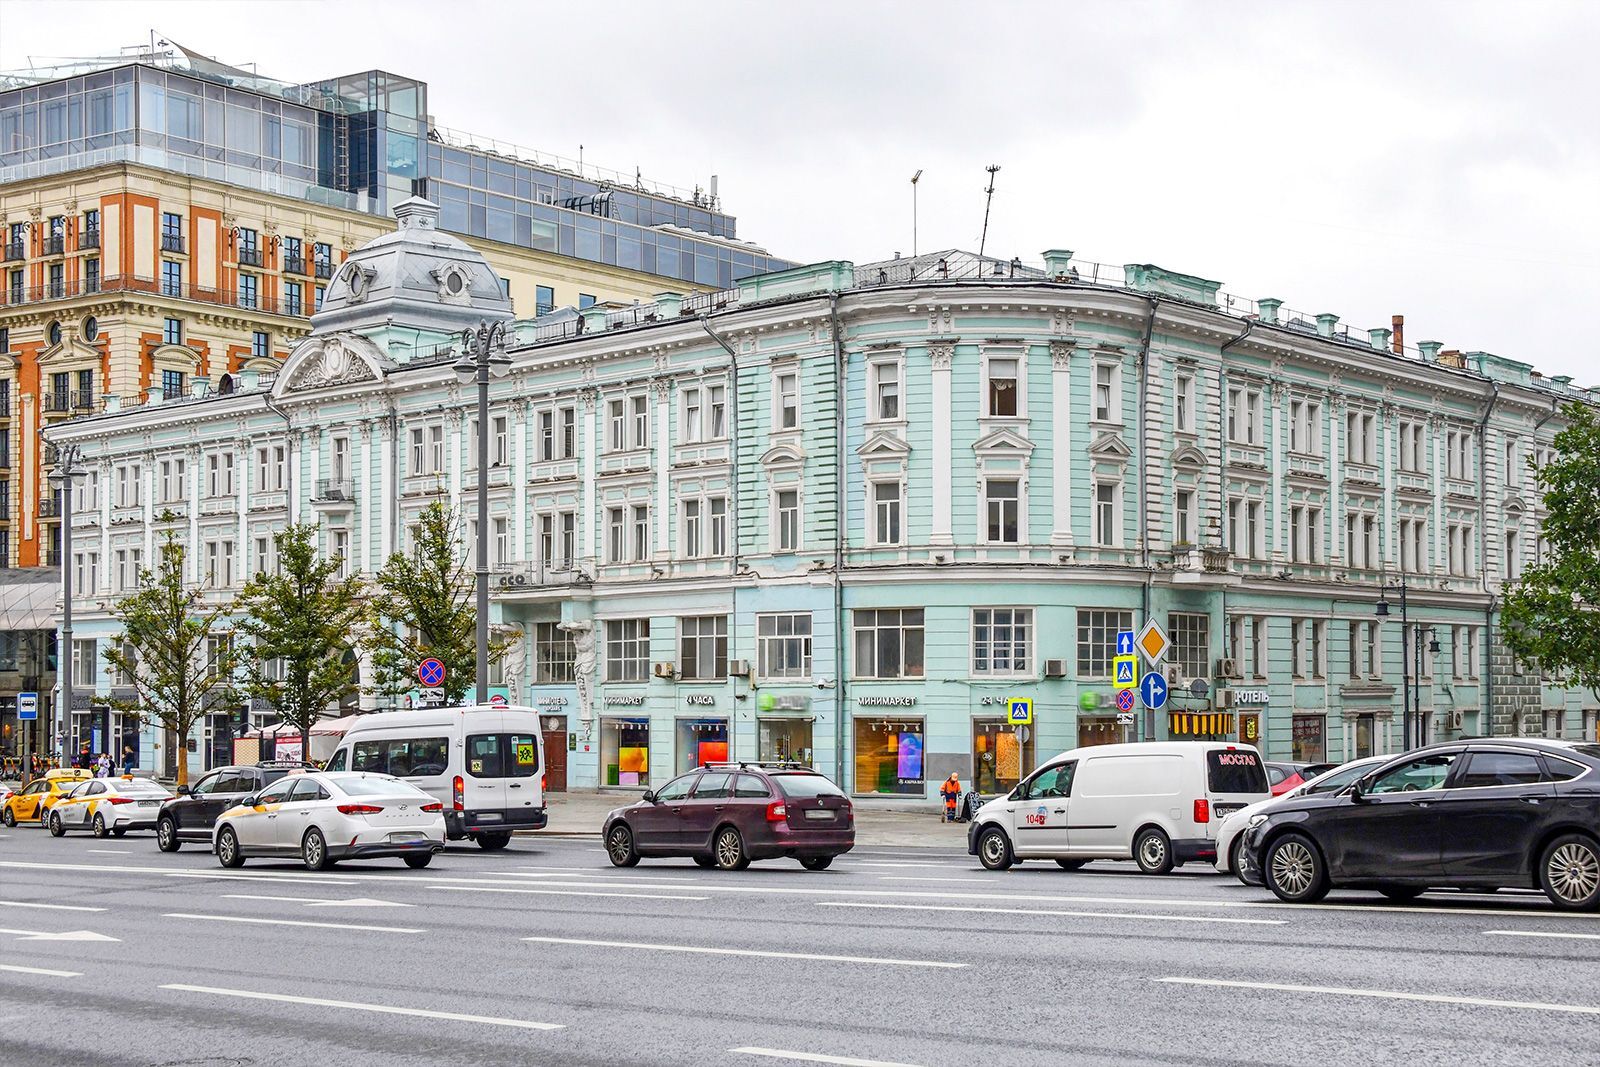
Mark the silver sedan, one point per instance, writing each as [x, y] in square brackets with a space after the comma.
[327, 816]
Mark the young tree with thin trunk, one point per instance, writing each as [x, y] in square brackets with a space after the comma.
[422, 605]
[302, 621]
[166, 651]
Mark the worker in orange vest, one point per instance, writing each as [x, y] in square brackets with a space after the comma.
[951, 791]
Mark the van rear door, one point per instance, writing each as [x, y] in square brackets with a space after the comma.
[1235, 777]
[484, 783]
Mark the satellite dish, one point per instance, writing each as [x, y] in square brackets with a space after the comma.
[1198, 688]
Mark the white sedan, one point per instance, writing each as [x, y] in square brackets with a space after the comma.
[327, 816]
[108, 806]
[1234, 824]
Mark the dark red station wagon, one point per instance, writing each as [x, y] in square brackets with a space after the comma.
[727, 814]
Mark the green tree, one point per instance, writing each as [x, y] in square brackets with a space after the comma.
[422, 605]
[1552, 615]
[177, 653]
[302, 621]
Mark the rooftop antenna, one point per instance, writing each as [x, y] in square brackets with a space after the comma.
[993, 169]
[914, 178]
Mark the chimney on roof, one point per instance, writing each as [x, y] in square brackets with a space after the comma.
[1268, 307]
[1429, 350]
[1398, 325]
[1379, 338]
[1326, 322]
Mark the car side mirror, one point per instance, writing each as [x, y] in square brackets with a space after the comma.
[249, 801]
[1358, 793]
[184, 791]
[649, 796]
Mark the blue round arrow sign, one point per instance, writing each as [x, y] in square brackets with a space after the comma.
[1153, 691]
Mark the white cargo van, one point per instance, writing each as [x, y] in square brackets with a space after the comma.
[1156, 802]
[484, 763]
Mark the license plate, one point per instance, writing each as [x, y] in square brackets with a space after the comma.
[489, 816]
[1227, 809]
[406, 835]
[819, 815]
[147, 803]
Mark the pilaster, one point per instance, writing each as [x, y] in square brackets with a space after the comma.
[941, 354]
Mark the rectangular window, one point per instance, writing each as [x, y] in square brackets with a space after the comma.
[1191, 643]
[1258, 647]
[91, 275]
[886, 390]
[783, 645]
[293, 298]
[171, 278]
[547, 436]
[718, 507]
[690, 422]
[171, 384]
[641, 532]
[585, 301]
[641, 422]
[627, 650]
[1513, 467]
[171, 232]
[889, 642]
[86, 571]
[84, 662]
[498, 448]
[1183, 517]
[1003, 386]
[1107, 392]
[717, 409]
[617, 422]
[544, 300]
[1097, 640]
[436, 448]
[786, 401]
[886, 513]
[788, 520]
[1183, 404]
[1106, 526]
[555, 655]
[703, 647]
[249, 247]
[1002, 510]
[316, 300]
[260, 345]
[569, 433]
[249, 288]
[692, 542]
[615, 531]
[1002, 641]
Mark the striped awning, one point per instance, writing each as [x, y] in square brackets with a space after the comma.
[1203, 724]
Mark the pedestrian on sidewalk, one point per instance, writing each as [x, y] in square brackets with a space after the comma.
[951, 791]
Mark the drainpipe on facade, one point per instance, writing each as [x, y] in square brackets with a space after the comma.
[733, 434]
[1483, 557]
[838, 538]
[1222, 431]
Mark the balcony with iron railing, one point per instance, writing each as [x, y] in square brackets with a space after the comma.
[294, 264]
[89, 239]
[508, 578]
[58, 402]
[249, 257]
[16, 250]
[334, 491]
[324, 268]
[55, 245]
[49, 507]
[5, 406]
[65, 290]
[172, 242]
[5, 499]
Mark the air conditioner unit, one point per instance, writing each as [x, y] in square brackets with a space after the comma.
[1224, 698]
[1458, 719]
[506, 579]
[1175, 677]
[519, 578]
[1055, 668]
[1227, 668]
[663, 670]
[739, 668]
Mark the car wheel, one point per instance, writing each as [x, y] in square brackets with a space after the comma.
[994, 851]
[419, 861]
[704, 861]
[494, 841]
[1294, 871]
[1402, 893]
[314, 851]
[619, 846]
[729, 850]
[1153, 852]
[119, 831]
[816, 863]
[56, 828]
[167, 835]
[98, 825]
[7, 817]
[228, 853]
[1071, 865]
[1569, 872]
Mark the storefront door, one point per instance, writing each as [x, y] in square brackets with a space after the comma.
[1000, 756]
[784, 740]
[555, 754]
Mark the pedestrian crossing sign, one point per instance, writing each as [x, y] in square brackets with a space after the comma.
[1019, 711]
[1125, 672]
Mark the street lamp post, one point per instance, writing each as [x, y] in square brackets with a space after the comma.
[1382, 611]
[483, 352]
[1416, 650]
[63, 476]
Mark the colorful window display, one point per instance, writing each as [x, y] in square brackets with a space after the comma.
[701, 741]
[889, 757]
[625, 752]
[1000, 757]
[784, 739]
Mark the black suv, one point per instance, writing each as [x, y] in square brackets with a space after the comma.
[190, 815]
[1488, 813]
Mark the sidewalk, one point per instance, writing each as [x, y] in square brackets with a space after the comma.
[581, 813]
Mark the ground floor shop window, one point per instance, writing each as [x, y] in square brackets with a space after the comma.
[784, 740]
[1099, 730]
[889, 757]
[1308, 739]
[701, 741]
[1364, 733]
[624, 751]
[1000, 757]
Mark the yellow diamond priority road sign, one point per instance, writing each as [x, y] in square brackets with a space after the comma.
[1153, 642]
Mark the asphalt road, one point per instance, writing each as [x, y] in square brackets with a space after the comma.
[545, 954]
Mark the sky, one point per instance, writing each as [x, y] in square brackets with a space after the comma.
[1436, 160]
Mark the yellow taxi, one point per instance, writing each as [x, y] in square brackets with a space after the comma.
[32, 802]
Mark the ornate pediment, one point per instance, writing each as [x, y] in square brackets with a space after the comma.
[783, 455]
[1515, 505]
[1003, 441]
[339, 359]
[74, 350]
[1110, 445]
[883, 445]
[1187, 455]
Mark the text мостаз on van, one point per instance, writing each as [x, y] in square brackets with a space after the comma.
[485, 764]
[1155, 802]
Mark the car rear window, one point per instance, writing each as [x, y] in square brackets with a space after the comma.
[376, 787]
[806, 785]
[1236, 770]
[1277, 772]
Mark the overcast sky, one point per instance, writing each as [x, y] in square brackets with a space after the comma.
[1436, 160]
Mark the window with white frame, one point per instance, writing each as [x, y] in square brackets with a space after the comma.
[616, 533]
[783, 645]
[1513, 554]
[1459, 455]
[568, 417]
[641, 532]
[716, 412]
[547, 436]
[1413, 446]
[129, 476]
[1297, 647]
[219, 558]
[1183, 517]
[1107, 530]
[691, 415]
[266, 554]
[1003, 375]
[1183, 403]
[693, 531]
[86, 571]
[1107, 391]
[1258, 647]
[888, 642]
[786, 400]
[272, 467]
[85, 490]
[499, 541]
[617, 426]
[1474, 648]
[786, 520]
[499, 452]
[1002, 641]
[547, 541]
[338, 458]
[1246, 532]
[555, 654]
[1097, 640]
[627, 650]
[1236, 641]
[129, 563]
[85, 662]
[640, 408]
[886, 513]
[883, 383]
[1191, 643]
[717, 520]
[1244, 416]
[1305, 427]
[340, 548]
[568, 521]
[703, 647]
[1513, 464]
[173, 477]
[1002, 499]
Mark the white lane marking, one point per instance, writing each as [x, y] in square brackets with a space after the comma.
[815, 1057]
[65, 935]
[1540, 933]
[703, 950]
[561, 892]
[289, 922]
[49, 907]
[111, 851]
[1062, 914]
[384, 1009]
[264, 876]
[901, 863]
[15, 968]
[1388, 994]
[317, 902]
